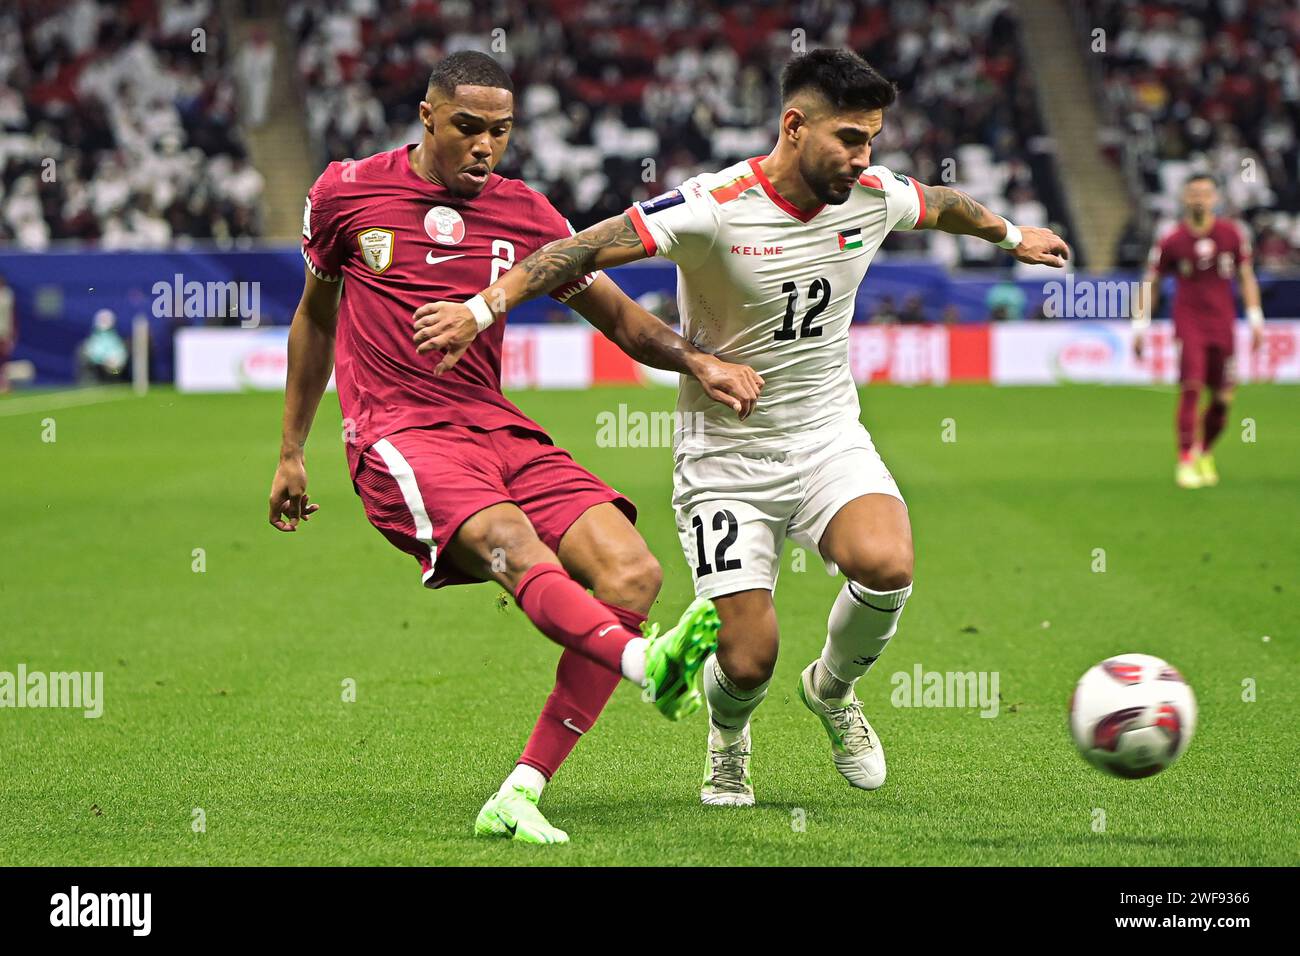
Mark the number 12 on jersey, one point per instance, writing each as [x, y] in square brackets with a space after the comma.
[819, 293]
[720, 560]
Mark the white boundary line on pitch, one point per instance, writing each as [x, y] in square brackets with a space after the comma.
[64, 399]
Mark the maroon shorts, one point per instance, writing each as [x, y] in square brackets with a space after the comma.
[1204, 363]
[420, 484]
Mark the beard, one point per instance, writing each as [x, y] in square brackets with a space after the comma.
[825, 187]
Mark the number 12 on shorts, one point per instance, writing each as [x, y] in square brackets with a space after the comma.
[720, 560]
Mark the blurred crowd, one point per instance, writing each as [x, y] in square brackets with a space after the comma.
[120, 120]
[1209, 86]
[118, 126]
[618, 100]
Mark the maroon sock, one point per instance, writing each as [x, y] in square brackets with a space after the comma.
[1187, 400]
[632, 620]
[582, 688]
[563, 611]
[1216, 416]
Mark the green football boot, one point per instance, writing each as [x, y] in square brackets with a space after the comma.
[1209, 474]
[514, 814]
[673, 660]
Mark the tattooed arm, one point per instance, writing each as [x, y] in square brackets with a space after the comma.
[613, 242]
[450, 327]
[951, 210]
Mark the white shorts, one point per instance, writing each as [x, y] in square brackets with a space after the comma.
[735, 509]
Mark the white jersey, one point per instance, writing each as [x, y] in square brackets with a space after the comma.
[765, 284]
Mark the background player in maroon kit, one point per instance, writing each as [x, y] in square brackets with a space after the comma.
[1203, 252]
[448, 469]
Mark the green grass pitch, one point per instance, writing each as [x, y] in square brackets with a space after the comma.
[224, 694]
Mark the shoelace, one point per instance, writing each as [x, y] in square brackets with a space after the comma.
[729, 768]
[852, 727]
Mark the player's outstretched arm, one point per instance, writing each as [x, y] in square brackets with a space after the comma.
[951, 210]
[1251, 301]
[450, 327]
[613, 242]
[311, 359]
[1144, 308]
[643, 336]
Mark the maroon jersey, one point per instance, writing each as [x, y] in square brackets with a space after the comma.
[400, 241]
[1203, 267]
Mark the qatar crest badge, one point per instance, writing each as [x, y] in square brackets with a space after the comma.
[444, 225]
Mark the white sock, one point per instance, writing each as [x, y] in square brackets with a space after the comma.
[859, 628]
[633, 660]
[525, 776]
[729, 706]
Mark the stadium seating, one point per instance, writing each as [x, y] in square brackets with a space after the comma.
[1208, 86]
[691, 94]
[120, 126]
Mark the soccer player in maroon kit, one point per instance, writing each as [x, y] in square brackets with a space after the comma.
[448, 469]
[1203, 252]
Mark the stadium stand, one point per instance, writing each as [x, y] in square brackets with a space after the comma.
[686, 89]
[1205, 86]
[120, 126]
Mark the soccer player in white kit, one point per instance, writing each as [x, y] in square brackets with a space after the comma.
[770, 253]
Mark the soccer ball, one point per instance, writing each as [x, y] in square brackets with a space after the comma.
[1132, 715]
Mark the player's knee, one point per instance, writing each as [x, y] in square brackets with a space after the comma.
[1223, 397]
[631, 581]
[505, 548]
[882, 567]
[748, 666]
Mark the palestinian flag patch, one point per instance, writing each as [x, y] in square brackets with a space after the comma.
[851, 239]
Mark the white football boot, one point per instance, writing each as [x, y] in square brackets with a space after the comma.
[855, 748]
[726, 778]
[1188, 475]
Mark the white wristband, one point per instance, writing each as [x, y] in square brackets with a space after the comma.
[1013, 236]
[483, 316]
[1255, 316]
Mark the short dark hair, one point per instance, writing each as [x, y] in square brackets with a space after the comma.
[469, 68]
[1197, 177]
[841, 77]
